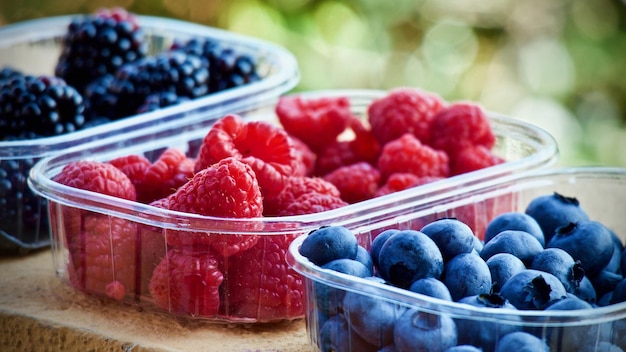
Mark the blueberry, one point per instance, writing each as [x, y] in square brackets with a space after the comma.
[605, 282]
[463, 348]
[502, 267]
[605, 299]
[431, 287]
[560, 264]
[478, 245]
[586, 291]
[371, 317]
[519, 243]
[481, 333]
[451, 236]
[407, 256]
[615, 262]
[378, 242]
[514, 221]
[553, 211]
[619, 294]
[571, 337]
[520, 341]
[363, 256]
[329, 243]
[622, 263]
[421, 331]
[328, 298]
[336, 336]
[533, 290]
[590, 242]
[467, 275]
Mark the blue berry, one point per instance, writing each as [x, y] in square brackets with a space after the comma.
[502, 267]
[619, 293]
[329, 243]
[519, 243]
[569, 303]
[451, 236]
[572, 337]
[431, 287]
[533, 290]
[480, 333]
[590, 242]
[467, 275]
[371, 317]
[378, 242]
[348, 266]
[553, 211]
[336, 336]
[514, 221]
[363, 256]
[560, 264]
[605, 282]
[407, 256]
[421, 331]
[463, 348]
[520, 341]
[328, 298]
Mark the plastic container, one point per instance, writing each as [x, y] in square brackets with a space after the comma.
[526, 148]
[602, 194]
[33, 48]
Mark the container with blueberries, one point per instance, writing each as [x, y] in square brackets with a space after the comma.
[531, 262]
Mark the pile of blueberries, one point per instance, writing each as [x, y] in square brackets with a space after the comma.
[550, 257]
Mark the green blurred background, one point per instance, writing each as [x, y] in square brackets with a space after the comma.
[559, 64]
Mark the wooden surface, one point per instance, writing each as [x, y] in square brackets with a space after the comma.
[40, 312]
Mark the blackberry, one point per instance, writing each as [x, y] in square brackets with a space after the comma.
[8, 73]
[39, 106]
[23, 220]
[99, 44]
[183, 74]
[227, 67]
[160, 100]
[99, 102]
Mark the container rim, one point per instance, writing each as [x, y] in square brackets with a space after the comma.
[433, 305]
[277, 82]
[41, 174]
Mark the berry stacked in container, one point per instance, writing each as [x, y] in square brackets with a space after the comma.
[69, 80]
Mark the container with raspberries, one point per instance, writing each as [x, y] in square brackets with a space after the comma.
[197, 221]
[530, 262]
[70, 80]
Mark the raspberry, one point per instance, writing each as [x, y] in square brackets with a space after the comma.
[400, 181]
[133, 166]
[103, 256]
[460, 126]
[306, 158]
[363, 147]
[227, 189]
[170, 171]
[266, 148]
[187, 282]
[473, 158]
[295, 187]
[356, 182]
[408, 154]
[315, 121]
[313, 202]
[403, 110]
[261, 285]
[97, 177]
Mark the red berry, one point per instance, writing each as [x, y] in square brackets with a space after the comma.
[170, 171]
[103, 256]
[227, 189]
[261, 285]
[460, 126]
[356, 182]
[315, 121]
[266, 148]
[187, 282]
[97, 177]
[310, 203]
[400, 181]
[407, 154]
[403, 110]
[306, 157]
[473, 158]
[334, 156]
[295, 187]
[133, 166]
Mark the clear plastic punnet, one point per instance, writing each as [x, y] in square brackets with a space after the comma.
[33, 47]
[330, 296]
[267, 290]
